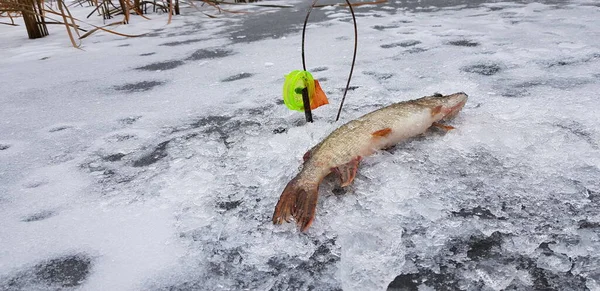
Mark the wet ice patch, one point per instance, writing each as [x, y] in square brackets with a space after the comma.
[139, 86]
[524, 88]
[182, 42]
[58, 128]
[120, 137]
[384, 27]
[129, 120]
[484, 68]
[211, 121]
[39, 216]
[213, 53]
[114, 157]
[62, 273]
[237, 77]
[415, 50]
[570, 61]
[161, 66]
[463, 42]
[153, 156]
[129, 247]
[34, 183]
[319, 69]
[407, 43]
[583, 224]
[379, 76]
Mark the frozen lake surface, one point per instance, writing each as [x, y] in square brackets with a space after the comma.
[154, 163]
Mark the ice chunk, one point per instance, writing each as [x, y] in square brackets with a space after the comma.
[554, 262]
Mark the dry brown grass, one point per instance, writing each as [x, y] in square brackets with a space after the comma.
[51, 12]
[57, 12]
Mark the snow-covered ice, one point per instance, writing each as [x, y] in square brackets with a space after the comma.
[154, 163]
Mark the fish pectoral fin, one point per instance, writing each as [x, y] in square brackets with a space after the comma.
[437, 110]
[347, 171]
[443, 126]
[382, 132]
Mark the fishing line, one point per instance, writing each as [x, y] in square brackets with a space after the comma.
[353, 55]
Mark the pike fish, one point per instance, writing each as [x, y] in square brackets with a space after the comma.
[342, 151]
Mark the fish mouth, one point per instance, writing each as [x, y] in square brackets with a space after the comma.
[455, 103]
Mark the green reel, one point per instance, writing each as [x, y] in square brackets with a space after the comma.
[294, 83]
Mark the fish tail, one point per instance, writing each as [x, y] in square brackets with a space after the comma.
[298, 202]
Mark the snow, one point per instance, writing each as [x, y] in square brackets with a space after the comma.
[154, 163]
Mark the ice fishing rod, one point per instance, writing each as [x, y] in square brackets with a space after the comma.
[301, 92]
[305, 99]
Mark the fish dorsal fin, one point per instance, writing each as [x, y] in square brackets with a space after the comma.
[382, 132]
[307, 155]
[347, 171]
[435, 111]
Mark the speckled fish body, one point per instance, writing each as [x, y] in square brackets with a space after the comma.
[343, 149]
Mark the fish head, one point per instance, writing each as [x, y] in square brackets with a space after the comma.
[444, 106]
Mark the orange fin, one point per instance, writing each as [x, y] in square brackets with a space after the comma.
[347, 171]
[306, 155]
[443, 126]
[319, 98]
[435, 111]
[298, 202]
[383, 132]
